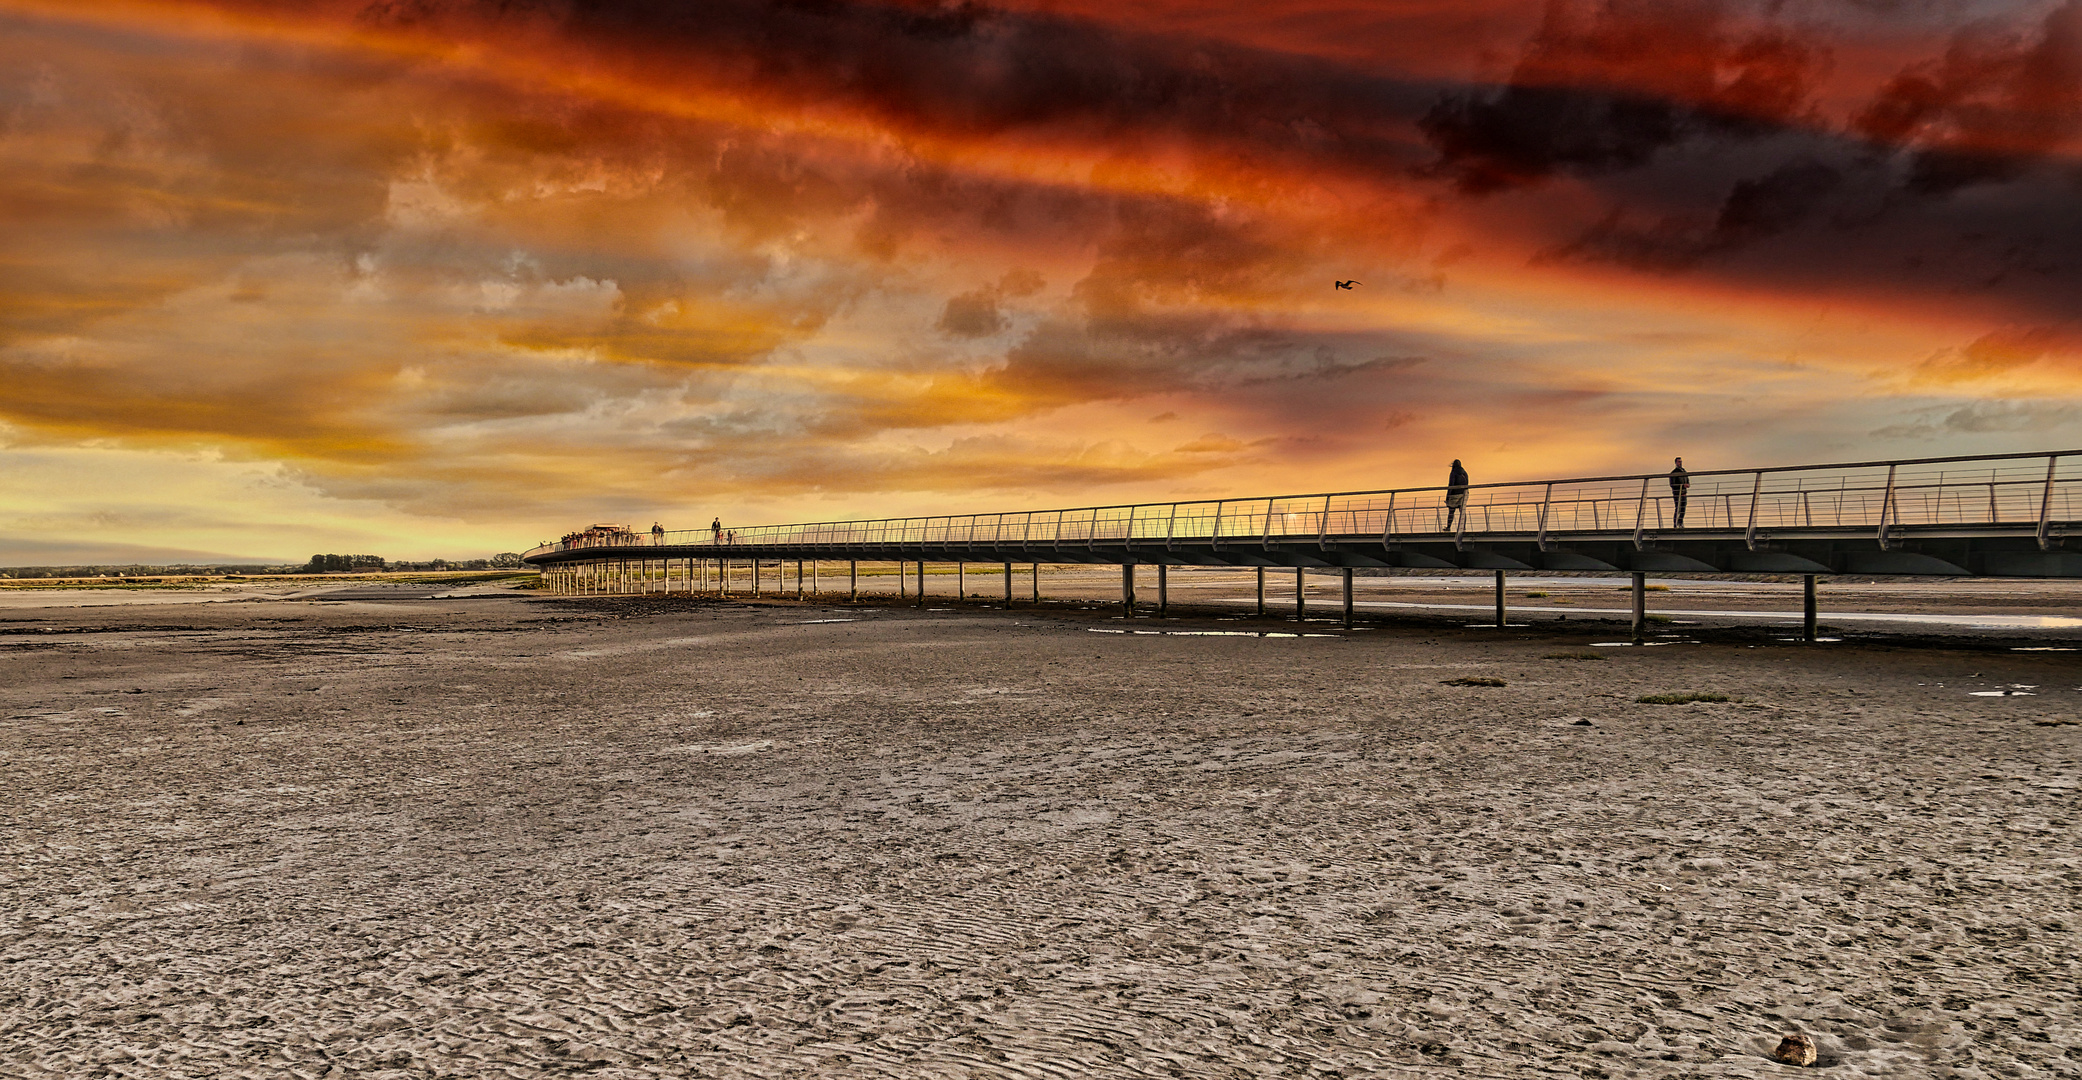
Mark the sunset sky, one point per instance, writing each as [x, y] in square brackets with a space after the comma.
[448, 277]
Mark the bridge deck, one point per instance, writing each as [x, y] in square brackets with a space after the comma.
[2002, 515]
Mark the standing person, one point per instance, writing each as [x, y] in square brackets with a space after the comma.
[716, 527]
[1680, 490]
[657, 533]
[1456, 492]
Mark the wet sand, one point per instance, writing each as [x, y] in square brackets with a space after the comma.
[520, 836]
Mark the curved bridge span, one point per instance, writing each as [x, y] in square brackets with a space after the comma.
[2008, 515]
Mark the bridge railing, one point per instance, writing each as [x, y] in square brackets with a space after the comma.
[2020, 491]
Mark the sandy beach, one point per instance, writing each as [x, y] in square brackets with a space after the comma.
[494, 834]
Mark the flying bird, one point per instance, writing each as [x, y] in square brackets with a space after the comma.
[1349, 284]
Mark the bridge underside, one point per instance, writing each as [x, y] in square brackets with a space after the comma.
[1997, 553]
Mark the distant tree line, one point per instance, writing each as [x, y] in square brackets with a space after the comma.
[319, 564]
[327, 564]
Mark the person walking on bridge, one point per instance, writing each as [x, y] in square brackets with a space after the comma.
[657, 534]
[716, 527]
[1680, 492]
[1456, 492]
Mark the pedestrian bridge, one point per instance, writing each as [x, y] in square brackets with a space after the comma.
[2005, 515]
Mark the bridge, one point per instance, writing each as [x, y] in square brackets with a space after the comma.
[2003, 515]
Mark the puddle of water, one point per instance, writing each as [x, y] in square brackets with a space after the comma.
[2001, 693]
[1985, 622]
[2043, 648]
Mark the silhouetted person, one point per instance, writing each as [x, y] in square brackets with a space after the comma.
[1680, 490]
[716, 527]
[657, 533]
[1456, 492]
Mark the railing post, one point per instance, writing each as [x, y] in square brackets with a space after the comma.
[1388, 527]
[1323, 526]
[1546, 500]
[1886, 506]
[1756, 489]
[2045, 530]
[1266, 541]
[1170, 524]
[1215, 538]
[1641, 515]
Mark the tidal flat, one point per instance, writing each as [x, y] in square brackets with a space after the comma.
[509, 835]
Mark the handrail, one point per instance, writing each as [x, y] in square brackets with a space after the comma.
[1909, 496]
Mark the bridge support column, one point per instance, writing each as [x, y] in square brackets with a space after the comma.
[1128, 589]
[1163, 589]
[1500, 605]
[921, 583]
[1807, 613]
[1348, 597]
[1008, 583]
[1300, 594]
[901, 591]
[816, 578]
[1640, 607]
[755, 575]
[961, 579]
[1261, 590]
[853, 579]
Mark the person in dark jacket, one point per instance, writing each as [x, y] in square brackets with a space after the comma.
[1456, 492]
[1680, 492]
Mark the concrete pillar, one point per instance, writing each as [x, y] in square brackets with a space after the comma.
[1500, 605]
[1128, 589]
[798, 579]
[921, 583]
[1640, 607]
[1261, 590]
[1300, 595]
[816, 578]
[755, 575]
[1037, 583]
[961, 579]
[900, 588]
[1008, 583]
[1807, 614]
[1348, 597]
[1163, 589]
[852, 579]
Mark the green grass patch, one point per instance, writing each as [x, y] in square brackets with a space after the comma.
[1664, 619]
[1475, 680]
[1680, 699]
[1574, 656]
[1536, 594]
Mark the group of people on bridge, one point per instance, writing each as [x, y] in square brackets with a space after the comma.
[1457, 493]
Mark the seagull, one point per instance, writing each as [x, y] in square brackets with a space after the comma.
[1349, 284]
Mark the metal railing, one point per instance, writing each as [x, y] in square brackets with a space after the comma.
[2005, 494]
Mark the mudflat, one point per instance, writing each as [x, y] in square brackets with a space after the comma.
[522, 836]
